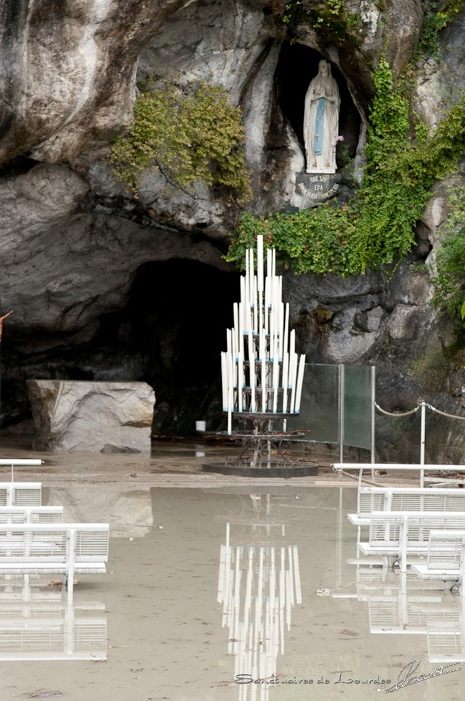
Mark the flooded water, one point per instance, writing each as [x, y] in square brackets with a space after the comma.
[207, 588]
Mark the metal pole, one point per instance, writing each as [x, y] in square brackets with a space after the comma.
[422, 442]
[341, 412]
[339, 541]
[373, 418]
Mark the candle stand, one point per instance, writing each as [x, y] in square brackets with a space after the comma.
[262, 374]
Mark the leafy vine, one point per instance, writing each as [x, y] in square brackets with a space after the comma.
[191, 134]
[376, 227]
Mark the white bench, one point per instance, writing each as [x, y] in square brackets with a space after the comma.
[21, 461]
[431, 499]
[54, 548]
[445, 557]
[401, 534]
[20, 493]
[31, 514]
[399, 467]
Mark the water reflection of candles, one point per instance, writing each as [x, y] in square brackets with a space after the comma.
[258, 585]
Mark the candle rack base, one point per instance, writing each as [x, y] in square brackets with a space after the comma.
[263, 452]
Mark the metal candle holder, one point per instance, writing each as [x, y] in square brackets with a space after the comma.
[262, 375]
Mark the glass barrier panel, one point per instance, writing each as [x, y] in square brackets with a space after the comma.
[319, 409]
[357, 406]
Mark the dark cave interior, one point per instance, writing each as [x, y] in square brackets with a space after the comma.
[170, 334]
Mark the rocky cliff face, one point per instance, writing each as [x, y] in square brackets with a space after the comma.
[94, 274]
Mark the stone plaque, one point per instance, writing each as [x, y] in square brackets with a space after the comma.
[313, 188]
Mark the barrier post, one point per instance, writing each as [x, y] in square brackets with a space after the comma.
[373, 418]
[341, 411]
[422, 442]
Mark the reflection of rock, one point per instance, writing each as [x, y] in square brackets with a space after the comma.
[129, 512]
[92, 416]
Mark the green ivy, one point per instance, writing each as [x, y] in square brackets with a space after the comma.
[449, 280]
[291, 12]
[376, 227]
[333, 19]
[191, 135]
[330, 18]
[437, 15]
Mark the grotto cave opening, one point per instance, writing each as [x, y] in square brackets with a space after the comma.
[297, 65]
[170, 334]
[178, 312]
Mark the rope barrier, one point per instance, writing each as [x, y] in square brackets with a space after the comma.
[444, 413]
[400, 413]
[361, 479]
[412, 411]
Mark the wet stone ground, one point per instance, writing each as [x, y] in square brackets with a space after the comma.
[206, 584]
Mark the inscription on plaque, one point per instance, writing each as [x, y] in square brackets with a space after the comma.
[312, 188]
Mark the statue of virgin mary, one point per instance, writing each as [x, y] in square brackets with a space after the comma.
[321, 121]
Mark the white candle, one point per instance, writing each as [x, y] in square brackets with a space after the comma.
[230, 382]
[254, 310]
[286, 329]
[233, 345]
[263, 384]
[292, 372]
[271, 320]
[241, 325]
[275, 316]
[260, 262]
[246, 308]
[285, 380]
[252, 276]
[300, 381]
[263, 357]
[275, 384]
[224, 381]
[252, 373]
[242, 284]
[240, 380]
[267, 300]
[261, 345]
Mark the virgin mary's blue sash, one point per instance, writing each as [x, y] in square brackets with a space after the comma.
[318, 134]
